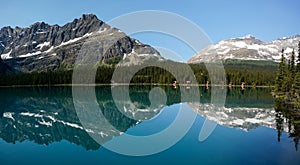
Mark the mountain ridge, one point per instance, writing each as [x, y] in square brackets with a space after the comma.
[248, 48]
[44, 47]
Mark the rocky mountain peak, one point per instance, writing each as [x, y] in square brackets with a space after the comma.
[37, 25]
[249, 39]
[89, 17]
[44, 47]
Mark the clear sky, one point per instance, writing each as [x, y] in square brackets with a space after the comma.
[220, 19]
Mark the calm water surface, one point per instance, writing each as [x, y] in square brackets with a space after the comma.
[40, 126]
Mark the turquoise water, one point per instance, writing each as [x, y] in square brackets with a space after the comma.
[40, 126]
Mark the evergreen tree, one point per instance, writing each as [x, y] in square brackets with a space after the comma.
[292, 66]
[298, 60]
[289, 65]
[297, 83]
[281, 74]
[291, 75]
[297, 75]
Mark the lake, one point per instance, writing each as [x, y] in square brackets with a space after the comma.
[49, 125]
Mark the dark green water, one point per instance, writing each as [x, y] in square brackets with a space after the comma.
[41, 126]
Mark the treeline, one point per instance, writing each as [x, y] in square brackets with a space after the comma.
[256, 73]
[260, 73]
[37, 78]
[252, 73]
[287, 82]
[103, 76]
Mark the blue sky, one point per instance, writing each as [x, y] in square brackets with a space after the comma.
[220, 19]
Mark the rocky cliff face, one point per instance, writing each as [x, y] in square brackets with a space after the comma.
[44, 47]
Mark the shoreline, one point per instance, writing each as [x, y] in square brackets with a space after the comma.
[137, 84]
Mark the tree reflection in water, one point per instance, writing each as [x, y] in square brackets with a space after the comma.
[287, 114]
[46, 114]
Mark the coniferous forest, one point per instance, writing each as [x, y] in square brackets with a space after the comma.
[287, 82]
[252, 73]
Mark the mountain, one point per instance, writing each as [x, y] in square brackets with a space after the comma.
[44, 47]
[248, 48]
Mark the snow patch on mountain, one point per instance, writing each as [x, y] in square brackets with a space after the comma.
[30, 54]
[43, 44]
[75, 39]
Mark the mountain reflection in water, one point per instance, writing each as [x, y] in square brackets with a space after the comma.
[46, 114]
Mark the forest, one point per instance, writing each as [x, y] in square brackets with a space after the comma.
[287, 81]
[252, 73]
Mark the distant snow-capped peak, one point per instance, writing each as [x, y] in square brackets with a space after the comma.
[248, 48]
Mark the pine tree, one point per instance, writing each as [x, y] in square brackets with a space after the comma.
[292, 66]
[281, 74]
[291, 75]
[297, 76]
[297, 83]
[298, 60]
